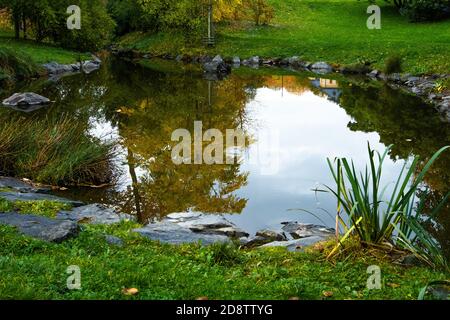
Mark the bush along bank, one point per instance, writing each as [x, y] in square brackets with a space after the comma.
[434, 88]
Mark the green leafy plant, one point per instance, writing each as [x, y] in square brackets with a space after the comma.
[425, 289]
[393, 64]
[363, 209]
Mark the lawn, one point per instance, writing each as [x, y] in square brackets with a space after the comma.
[39, 52]
[334, 31]
[32, 269]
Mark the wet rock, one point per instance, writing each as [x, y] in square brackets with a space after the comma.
[236, 61]
[321, 68]
[271, 235]
[374, 74]
[54, 68]
[167, 232]
[42, 228]
[90, 66]
[255, 241]
[207, 223]
[265, 236]
[217, 68]
[25, 100]
[411, 261]
[295, 245]
[304, 230]
[192, 227]
[20, 186]
[94, 214]
[253, 61]
[18, 196]
[218, 59]
[114, 241]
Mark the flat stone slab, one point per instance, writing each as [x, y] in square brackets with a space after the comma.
[43, 228]
[94, 214]
[18, 196]
[294, 245]
[167, 232]
[190, 227]
[303, 230]
[206, 223]
[20, 185]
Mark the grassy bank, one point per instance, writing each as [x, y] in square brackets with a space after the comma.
[33, 269]
[333, 30]
[16, 66]
[39, 52]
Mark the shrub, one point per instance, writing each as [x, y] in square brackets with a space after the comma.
[393, 64]
[426, 10]
[261, 12]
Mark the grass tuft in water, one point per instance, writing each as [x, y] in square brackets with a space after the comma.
[58, 152]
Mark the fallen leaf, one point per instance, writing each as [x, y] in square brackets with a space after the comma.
[202, 298]
[130, 291]
[294, 298]
[328, 294]
[393, 285]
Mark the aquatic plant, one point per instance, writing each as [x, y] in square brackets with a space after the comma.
[365, 213]
[58, 152]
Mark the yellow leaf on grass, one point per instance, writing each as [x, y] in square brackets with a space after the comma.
[130, 291]
[328, 294]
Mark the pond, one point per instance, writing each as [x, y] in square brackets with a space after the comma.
[296, 121]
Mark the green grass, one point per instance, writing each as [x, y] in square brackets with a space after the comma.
[33, 269]
[39, 52]
[16, 66]
[334, 31]
[44, 208]
[41, 208]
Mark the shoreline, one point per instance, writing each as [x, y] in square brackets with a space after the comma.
[423, 86]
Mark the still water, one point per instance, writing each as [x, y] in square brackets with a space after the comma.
[297, 121]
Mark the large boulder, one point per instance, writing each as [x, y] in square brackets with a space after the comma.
[25, 100]
[42, 228]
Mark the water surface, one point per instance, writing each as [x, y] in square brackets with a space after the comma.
[297, 122]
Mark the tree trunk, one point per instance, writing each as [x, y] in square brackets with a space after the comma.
[17, 26]
[24, 26]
